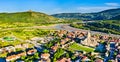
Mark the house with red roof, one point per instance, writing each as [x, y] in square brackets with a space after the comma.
[64, 60]
[45, 56]
[31, 52]
[15, 56]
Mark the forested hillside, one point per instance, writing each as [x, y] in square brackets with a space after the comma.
[103, 26]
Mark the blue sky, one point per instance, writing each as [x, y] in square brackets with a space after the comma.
[58, 6]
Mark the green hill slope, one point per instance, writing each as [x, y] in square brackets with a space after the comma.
[28, 17]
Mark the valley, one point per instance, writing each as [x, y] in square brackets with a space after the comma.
[37, 37]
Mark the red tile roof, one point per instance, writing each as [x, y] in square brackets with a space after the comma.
[64, 60]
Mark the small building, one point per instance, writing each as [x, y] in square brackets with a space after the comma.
[54, 48]
[44, 60]
[85, 59]
[45, 56]
[15, 56]
[31, 52]
[98, 60]
[62, 42]
[64, 60]
[118, 58]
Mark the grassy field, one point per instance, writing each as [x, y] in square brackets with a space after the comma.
[22, 35]
[3, 55]
[6, 43]
[26, 33]
[78, 47]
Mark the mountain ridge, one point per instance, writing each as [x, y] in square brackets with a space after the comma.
[103, 15]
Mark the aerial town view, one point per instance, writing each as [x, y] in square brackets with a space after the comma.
[59, 30]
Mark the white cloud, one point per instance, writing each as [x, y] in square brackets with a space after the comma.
[93, 9]
[112, 4]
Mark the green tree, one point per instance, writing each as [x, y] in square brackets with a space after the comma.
[58, 53]
[36, 56]
[67, 55]
[73, 57]
[45, 51]
[23, 57]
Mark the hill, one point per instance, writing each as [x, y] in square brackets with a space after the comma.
[29, 16]
[116, 18]
[103, 15]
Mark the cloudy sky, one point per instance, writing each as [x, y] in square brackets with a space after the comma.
[58, 6]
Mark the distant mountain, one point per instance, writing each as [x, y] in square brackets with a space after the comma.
[28, 16]
[103, 15]
[116, 18]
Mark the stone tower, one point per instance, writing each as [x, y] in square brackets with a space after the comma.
[89, 41]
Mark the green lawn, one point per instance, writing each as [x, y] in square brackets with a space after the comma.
[23, 34]
[2, 55]
[3, 44]
[79, 47]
